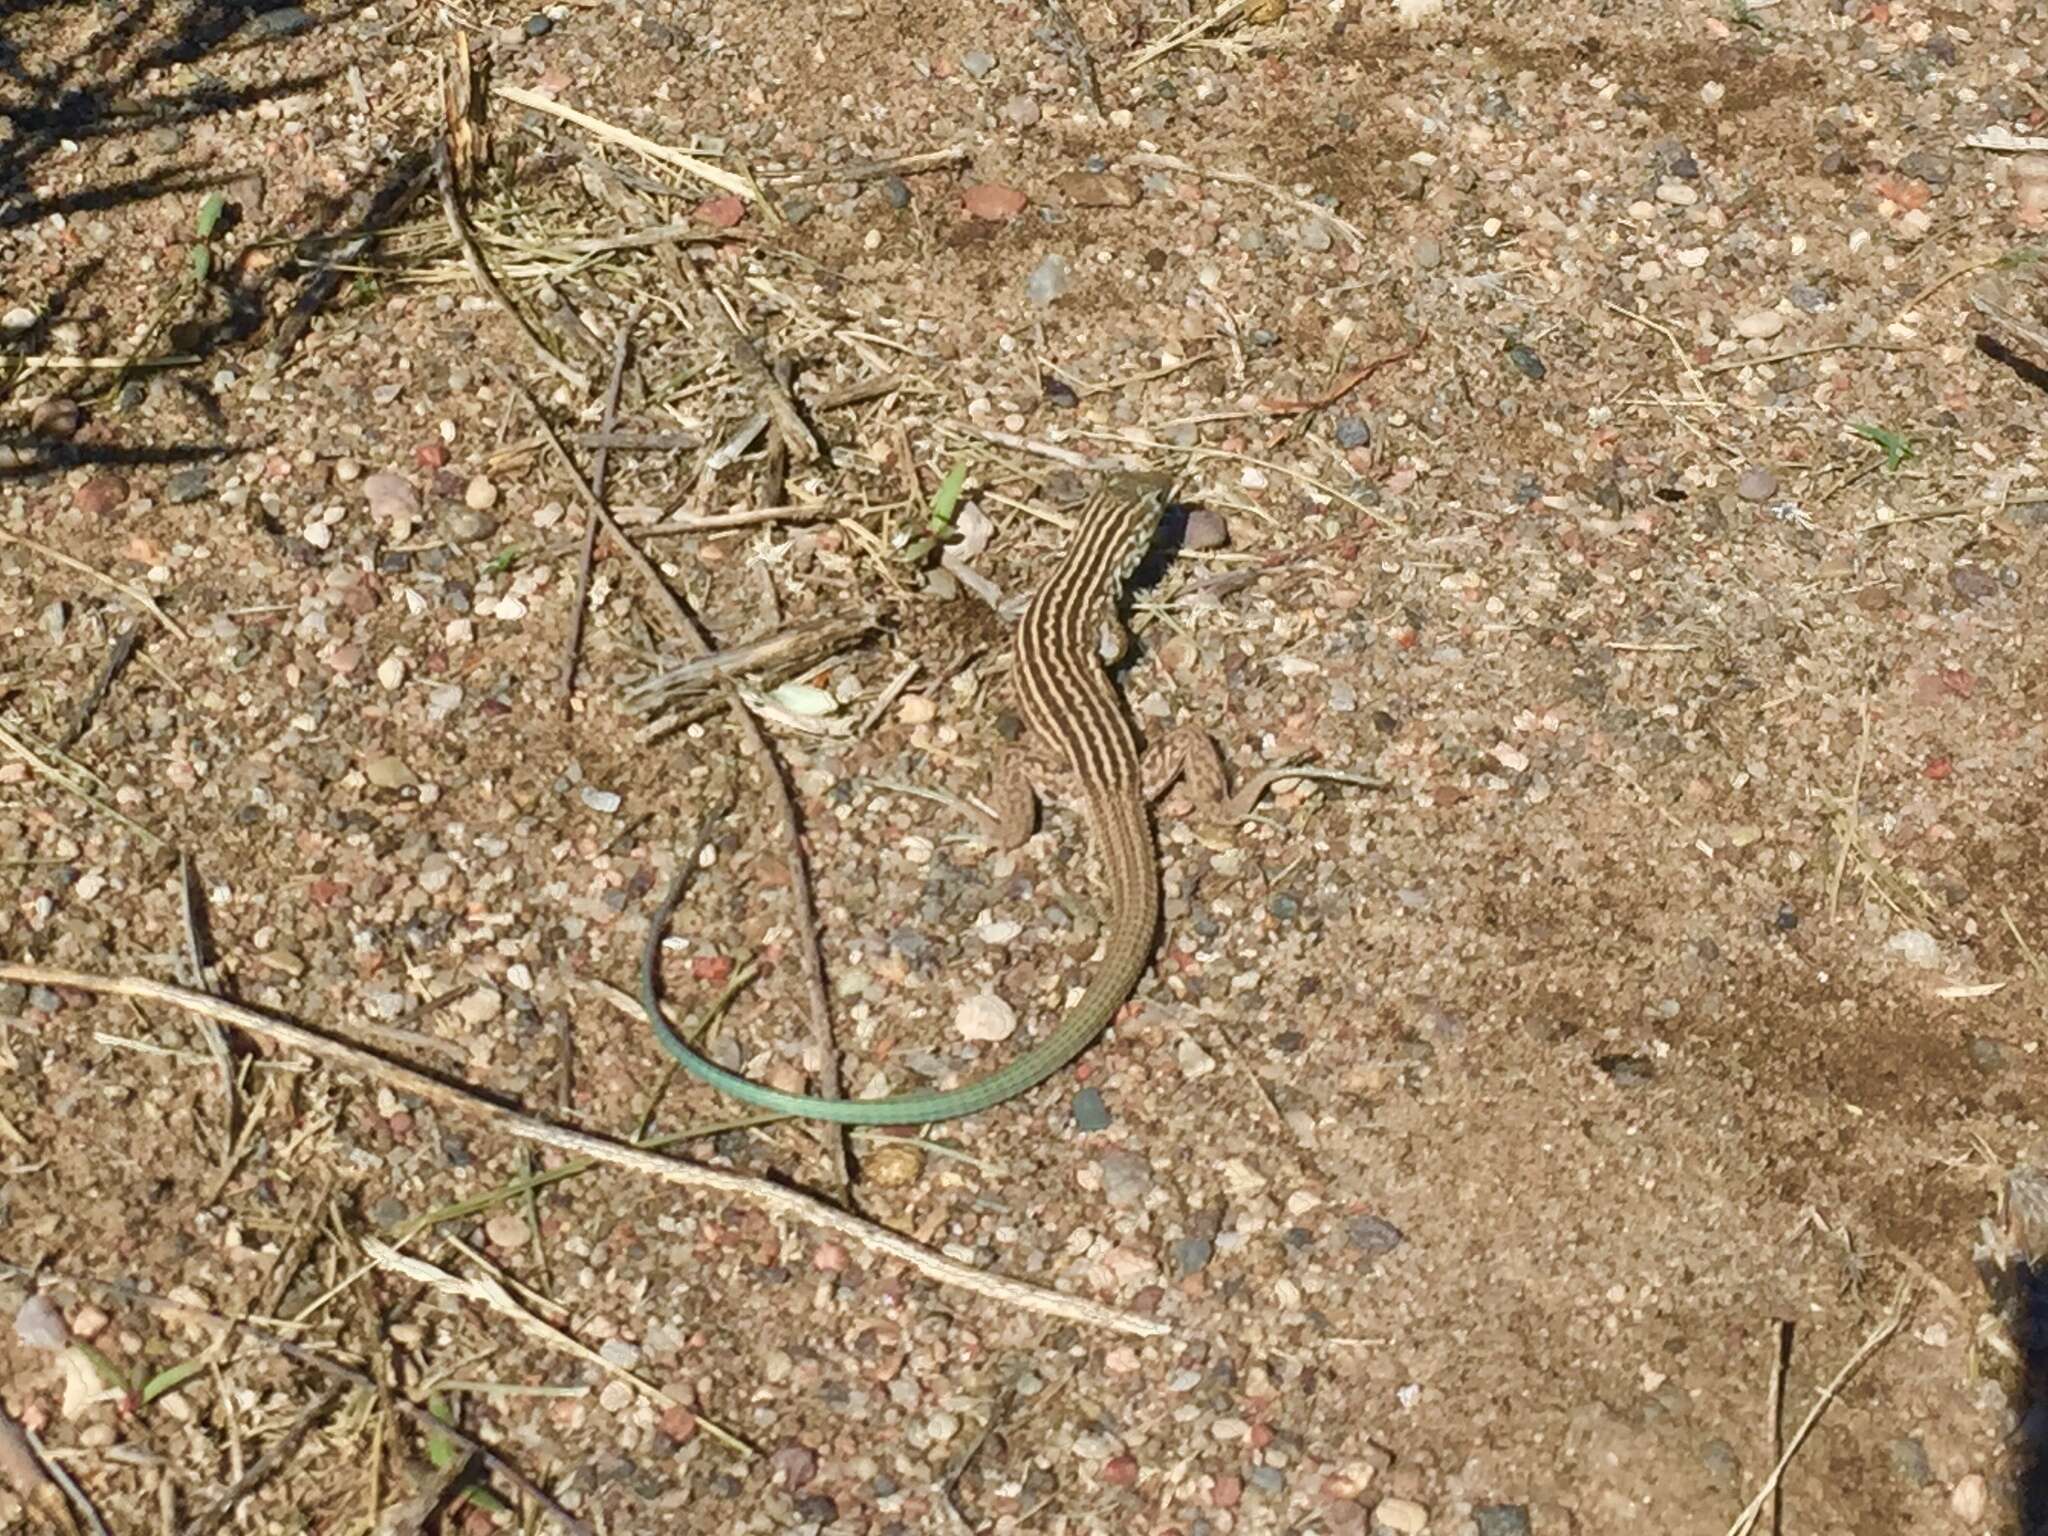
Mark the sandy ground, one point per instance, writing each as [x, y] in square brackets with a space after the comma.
[1584, 428]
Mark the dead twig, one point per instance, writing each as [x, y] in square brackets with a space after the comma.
[1890, 1324]
[598, 466]
[202, 977]
[134, 594]
[762, 751]
[274, 1456]
[473, 257]
[794, 1204]
[40, 1493]
[1336, 391]
[793, 647]
[1074, 44]
[746, 360]
[117, 658]
[873, 170]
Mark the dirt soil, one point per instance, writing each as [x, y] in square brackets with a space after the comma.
[1616, 429]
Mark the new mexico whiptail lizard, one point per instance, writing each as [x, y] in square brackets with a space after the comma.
[1068, 636]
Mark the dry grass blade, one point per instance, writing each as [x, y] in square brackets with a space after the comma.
[491, 1292]
[73, 783]
[1187, 32]
[1327, 216]
[788, 651]
[793, 1204]
[274, 1456]
[134, 594]
[674, 159]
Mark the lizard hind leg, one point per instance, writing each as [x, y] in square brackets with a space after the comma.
[1189, 754]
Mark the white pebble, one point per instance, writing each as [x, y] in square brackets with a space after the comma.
[1402, 1515]
[602, 801]
[1693, 258]
[346, 470]
[317, 534]
[391, 672]
[1677, 194]
[616, 1397]
[1759, 325]
[985, 1016]
[480, 495]
[1968, 1498]
[1916, 946]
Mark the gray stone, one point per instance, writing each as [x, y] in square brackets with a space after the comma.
[1756, 483]
[1192, 1254]
[1372, 1236]
[285, 21]
[1090, 1113]
[188, 484]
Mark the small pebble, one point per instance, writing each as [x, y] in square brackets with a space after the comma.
[1352, 433]
[1206, 529]
[1969, 1498]
[479, 495]
[1092, 189]
[17, 319]
[390, 496]
[1756, 483]
[616, 1397]
[1022, 111]
[897, 191]
[1677, 194]
[507, 1231]
[1909, 1462]
[1372, 1236]
[391, 673]
[623, 1353]
[1916, 946]
[1525, 359]
[1759, 325]
[285, 21]
[100, 495]
[722, 212]
[1807, 297]
[978, 62]
[1090, 1113]
[54, 418]
[895, 1164]
[1428, 254]
[466, 525]
[188, 484]
[40, 1325]
[1501, 1520]
[1404, 1516]
[603, 801]
[1192, 1254]
[1314, 236]
[992, 200]
[538, 25]
[1048, 279]
[388, 772]
[1126, 1176]
[984, 1016]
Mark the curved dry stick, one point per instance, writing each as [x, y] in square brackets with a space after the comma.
[792, 1203]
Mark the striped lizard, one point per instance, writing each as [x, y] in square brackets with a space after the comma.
[1068, 637]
